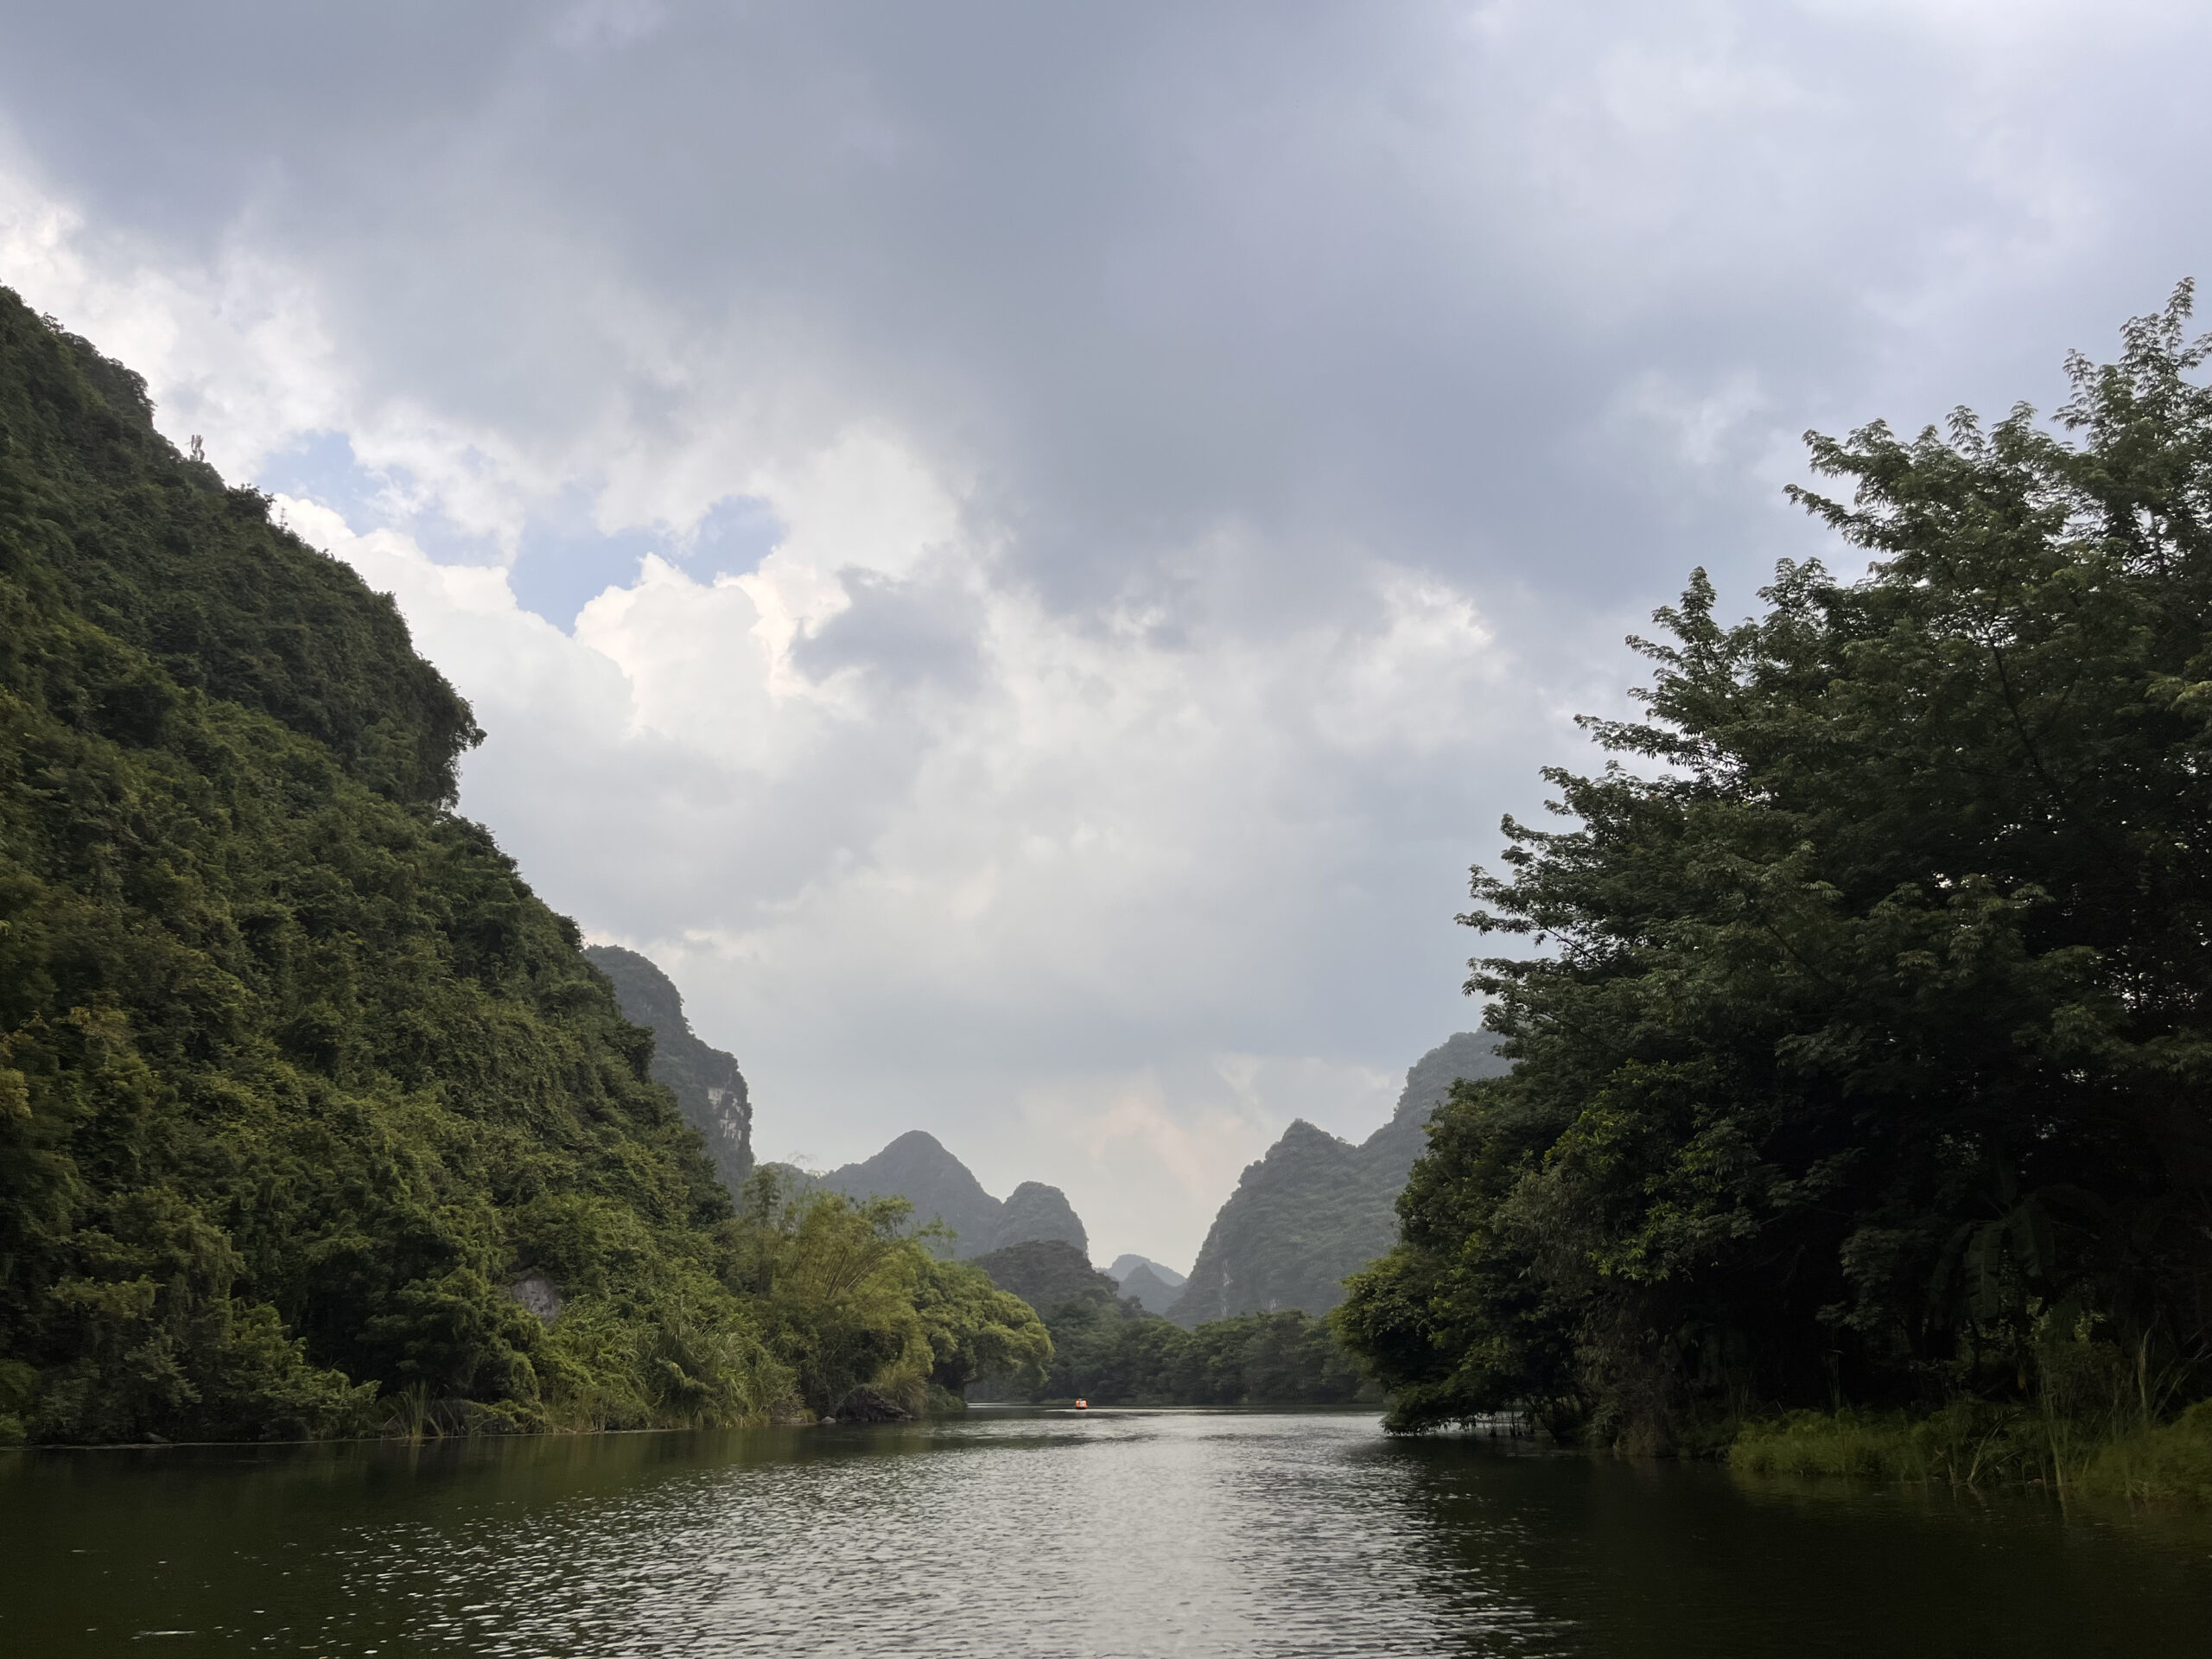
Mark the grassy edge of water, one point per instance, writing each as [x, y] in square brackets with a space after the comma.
[1974, 1443]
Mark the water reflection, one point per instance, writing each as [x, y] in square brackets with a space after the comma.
[1136, 1534]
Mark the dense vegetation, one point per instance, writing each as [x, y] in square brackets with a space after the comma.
[851, 1294]
[1869, 1066]
[1107, 1349]
[1047, 1271]
[297, 1077]
[1132, 1358]
[1315, 1210]
[2093, 1440]
[709, 1089]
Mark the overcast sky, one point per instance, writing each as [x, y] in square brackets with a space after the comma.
[1020, 550]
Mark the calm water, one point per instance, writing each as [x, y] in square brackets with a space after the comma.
[1043, 1534]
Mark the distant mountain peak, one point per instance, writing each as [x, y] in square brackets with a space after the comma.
[1468, 1054]
[1151, 1287]
[1130, 1262]
[1033, 1210]
[916, 1142]
[1302, 1132]
[917, 1167]
[1315, 1208]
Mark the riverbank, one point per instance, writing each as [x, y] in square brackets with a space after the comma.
[1974, 1443]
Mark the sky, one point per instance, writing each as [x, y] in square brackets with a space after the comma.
[1021, 551]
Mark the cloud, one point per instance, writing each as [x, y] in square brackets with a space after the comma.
[1022, 551]
[1087, 837]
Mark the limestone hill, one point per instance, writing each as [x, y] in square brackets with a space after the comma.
[917, 1168]
[709, 1088]
[1048, 1274]
[1316, 1208]
[1147, 1283]
[299, 1080]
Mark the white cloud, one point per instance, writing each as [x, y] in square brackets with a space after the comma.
[1202, 458]
[1089, 833]
[235, 347]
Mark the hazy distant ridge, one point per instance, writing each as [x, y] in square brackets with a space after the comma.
[1147, 1283]
[1316, 1208]
[917, 1168]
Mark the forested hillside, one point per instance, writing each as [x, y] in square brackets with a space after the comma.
[1315, 1209]
[1871, 1061]
[302, 1092]
[709, 1089]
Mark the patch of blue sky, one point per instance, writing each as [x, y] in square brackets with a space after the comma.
[564, 560]
[321, 467]
[736, 534]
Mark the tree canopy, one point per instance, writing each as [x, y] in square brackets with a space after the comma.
[851, 1293]
[1865, 1055]
[313, 1118]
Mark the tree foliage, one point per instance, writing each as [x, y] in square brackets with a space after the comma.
[850, 1293]
[1106, 1348]
[299, 1081]
[1121, 1355]
[1869, 1056]
[296, 1075]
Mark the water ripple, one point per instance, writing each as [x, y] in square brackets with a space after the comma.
[1117, 1534]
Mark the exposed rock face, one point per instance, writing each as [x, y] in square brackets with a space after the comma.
[707, 1084]
[917, 1168]
[539, 1294]
[1048, 1273]
[1317, 1209]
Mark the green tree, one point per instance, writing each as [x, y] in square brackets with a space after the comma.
[976, 1332]
[834, 1281]
[1119, 1355]
[297, 1076]
[1869, 1056]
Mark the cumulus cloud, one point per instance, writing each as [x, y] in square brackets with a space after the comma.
[1024, 903]
[1021, 551]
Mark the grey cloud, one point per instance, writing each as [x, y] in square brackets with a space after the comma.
[1211, 312]
[903, 634]
[1327, 272]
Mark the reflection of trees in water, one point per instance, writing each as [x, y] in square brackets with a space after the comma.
[1620, 1556]
[1120, 1532]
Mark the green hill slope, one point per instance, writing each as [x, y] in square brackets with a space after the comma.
[709, 1088]
[1046, 1273]
[297, 1077]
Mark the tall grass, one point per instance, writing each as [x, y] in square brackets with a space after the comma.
[2098, 1421]
[1977, 1443]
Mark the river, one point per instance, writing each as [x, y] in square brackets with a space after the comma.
[1022, 1533]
